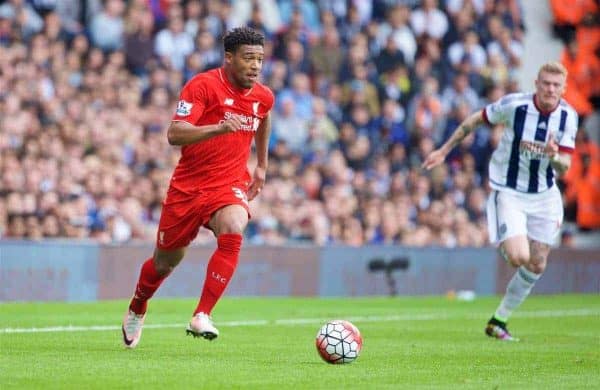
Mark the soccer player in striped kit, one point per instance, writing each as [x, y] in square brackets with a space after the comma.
[524, 210]
[219, 114]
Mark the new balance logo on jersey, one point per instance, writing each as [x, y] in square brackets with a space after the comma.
[255, 107]
[228, 102]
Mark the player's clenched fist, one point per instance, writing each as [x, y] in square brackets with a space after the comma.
[551, 148]
[230, 125]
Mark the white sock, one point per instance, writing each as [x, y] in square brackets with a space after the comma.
[517, 290]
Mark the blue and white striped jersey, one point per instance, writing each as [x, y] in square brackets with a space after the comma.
[519, 161]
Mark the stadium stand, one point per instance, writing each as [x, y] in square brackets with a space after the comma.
[365, 89]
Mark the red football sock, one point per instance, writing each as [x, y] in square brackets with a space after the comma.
[221, 267]
[148, 283]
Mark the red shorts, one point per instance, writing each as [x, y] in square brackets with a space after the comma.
[183, 214]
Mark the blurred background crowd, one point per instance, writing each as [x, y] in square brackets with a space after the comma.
[364, 90]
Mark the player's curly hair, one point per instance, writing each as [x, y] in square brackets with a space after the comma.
[239, 36]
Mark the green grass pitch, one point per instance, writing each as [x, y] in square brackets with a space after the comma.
[268, 343]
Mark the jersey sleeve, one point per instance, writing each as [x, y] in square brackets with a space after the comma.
[270, 100]
[191, 104]
[566, 143]
[267, 100]
[498, 112]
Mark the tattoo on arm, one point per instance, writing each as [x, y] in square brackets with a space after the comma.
[463, 130]
[466, 127]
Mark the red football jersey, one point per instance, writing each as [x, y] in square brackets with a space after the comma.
[209, 98]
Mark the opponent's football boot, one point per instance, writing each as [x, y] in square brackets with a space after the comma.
[202, 326]
[132, 328]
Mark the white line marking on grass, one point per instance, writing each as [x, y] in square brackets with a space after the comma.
[403, 317]
[557, 313]
[440, 315]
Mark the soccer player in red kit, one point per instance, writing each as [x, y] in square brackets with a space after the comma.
[218, 115]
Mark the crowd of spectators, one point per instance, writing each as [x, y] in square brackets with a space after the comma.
[364, 90]
[578, 26]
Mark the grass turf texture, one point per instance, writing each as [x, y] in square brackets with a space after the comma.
[427, 342]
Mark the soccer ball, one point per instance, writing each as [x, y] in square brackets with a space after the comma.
[338, 342]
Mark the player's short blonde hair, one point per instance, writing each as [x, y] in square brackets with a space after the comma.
[553, 67]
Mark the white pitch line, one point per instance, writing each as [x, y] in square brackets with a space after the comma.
[553, 313]
[303, 321]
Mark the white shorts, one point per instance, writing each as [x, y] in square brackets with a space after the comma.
[537, 216]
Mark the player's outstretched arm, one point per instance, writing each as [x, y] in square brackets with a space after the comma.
[184, 133]
[261, 140]
[438, 156]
